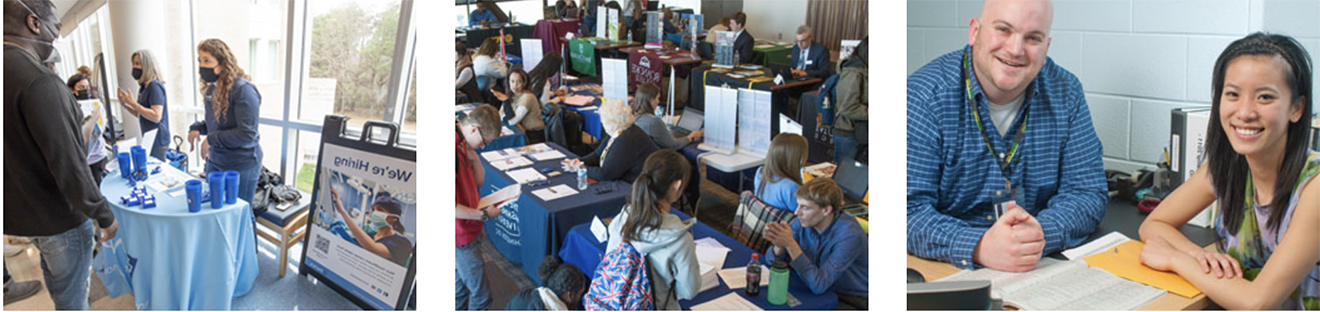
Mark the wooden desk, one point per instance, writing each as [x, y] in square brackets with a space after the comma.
[793, 83]
[618, 45]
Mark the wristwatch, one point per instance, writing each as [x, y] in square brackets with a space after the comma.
[484, 216]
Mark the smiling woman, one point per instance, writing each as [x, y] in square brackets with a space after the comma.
[1259, 169]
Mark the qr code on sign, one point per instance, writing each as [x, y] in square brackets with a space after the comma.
[323, 244]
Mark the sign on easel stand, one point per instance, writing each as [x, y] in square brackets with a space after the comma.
[361, 240]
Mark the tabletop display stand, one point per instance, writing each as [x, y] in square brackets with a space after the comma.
[362, 170]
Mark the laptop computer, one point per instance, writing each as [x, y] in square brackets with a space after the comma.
[852, 177]
[692, 120]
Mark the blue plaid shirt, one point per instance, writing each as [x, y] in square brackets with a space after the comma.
[952, 178]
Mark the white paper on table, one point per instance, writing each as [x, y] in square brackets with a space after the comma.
[506, 194]
[506, 131]
[497, 155]
[730, 302]
[552, 154]
[148, 140]
[525, 175]
[708, 241]
[737, 277]
[505, 165]
[588, 108]
[598, 228]
[554, 192]
[1107, 242]
[711, 255]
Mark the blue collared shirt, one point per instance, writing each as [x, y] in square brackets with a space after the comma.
[952, 178]
[834, 259]
[478, 16]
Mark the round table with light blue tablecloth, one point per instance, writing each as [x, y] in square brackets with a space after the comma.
[174, 259]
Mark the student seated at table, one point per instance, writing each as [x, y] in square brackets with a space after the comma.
[824, 246]
[482, 15]
[646, 224]
[778, 180]
[487, 66]
[625, 144]
[564, 286]
[643, 108]
[381, 233]
[466, 83]
[527, 116]
[1260, 171]
[515, 83]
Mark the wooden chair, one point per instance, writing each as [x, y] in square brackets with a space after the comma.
[290, 225]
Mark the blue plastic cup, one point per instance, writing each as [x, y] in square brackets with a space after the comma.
[217, 181]
[125, 164]
[194, 188]
[139, 159]
[231, 187]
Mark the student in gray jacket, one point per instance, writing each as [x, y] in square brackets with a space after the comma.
[643, 107]
[647, 225]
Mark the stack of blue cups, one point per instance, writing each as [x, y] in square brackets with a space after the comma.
[217, 181]
[194, 188]
[231, 187]
[139, 159]
[125, 164]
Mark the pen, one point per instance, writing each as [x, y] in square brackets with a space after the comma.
[1167, 162]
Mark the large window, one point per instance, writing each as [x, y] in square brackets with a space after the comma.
[351, 60]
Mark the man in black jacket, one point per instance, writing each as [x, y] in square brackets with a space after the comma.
[742, 45]
[49, 191]
[808, 58]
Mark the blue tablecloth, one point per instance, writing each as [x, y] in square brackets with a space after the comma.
[174, 259]
[529, 228]
[590, 117]
[583, 250]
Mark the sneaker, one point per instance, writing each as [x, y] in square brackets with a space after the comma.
[17, 291]
[11, 250]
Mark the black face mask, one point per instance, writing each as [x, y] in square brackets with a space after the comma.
[208, 74]
[84, 94]
[137, 73]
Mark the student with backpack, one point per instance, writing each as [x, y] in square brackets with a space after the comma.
[851, 103]
[645, 229]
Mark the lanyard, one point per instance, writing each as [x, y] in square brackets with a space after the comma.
[1002, 159]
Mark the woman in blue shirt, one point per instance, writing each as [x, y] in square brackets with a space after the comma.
[232, 105]
[150, 104]
[780, 177]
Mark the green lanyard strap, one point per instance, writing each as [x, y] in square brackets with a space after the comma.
[1005, 160]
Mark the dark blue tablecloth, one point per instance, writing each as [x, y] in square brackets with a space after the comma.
[583, 250]
[529, 228]
[591, 117]
[506, 141]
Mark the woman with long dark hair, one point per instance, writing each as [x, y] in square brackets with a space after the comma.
[646, 224]
[230, 127]
[1258, 169]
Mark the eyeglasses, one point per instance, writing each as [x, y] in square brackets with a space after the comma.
[484, 142]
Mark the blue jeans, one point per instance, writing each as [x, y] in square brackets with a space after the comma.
[472, 291]
[66, 264]
[247, 179]
[845, 148]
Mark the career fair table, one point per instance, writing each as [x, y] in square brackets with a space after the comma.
[645, 65]
[173, 259]
[584, 53]
[552, 31]
[1122, 217]
[582, 249]
[530, 228]
[477, 34]
[776, 53]
[757, 77]
[590, 110]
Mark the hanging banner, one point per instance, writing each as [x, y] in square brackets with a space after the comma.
[583, 53]
[644, 66]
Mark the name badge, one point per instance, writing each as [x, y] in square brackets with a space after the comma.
[809, 62]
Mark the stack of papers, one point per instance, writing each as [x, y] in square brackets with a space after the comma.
[543, 156]
[493, 156]
[710, 255]
[729, 302]
[579, 100]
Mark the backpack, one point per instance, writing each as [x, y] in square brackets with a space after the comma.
[622, 282]
[825, 102]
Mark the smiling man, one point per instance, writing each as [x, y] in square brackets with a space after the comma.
[999, 122]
